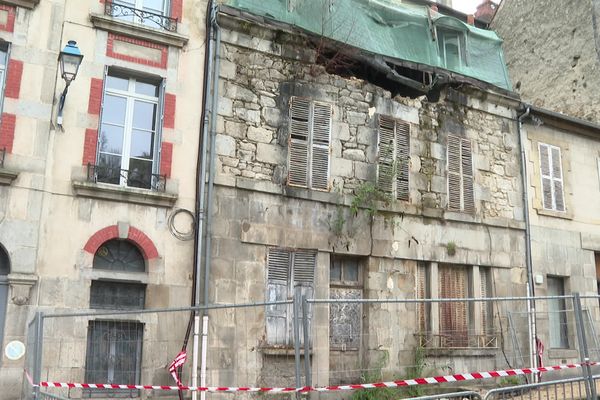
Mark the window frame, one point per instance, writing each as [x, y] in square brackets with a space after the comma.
[442, 33]
[140, 5]
[551, 177]
[350, 285]
[4, 290]
[6, 48]
[563, 339]
[131, 97]
[296, 177]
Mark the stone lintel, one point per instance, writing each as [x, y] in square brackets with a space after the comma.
[21, 3]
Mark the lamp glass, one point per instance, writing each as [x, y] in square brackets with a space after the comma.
[69, 65]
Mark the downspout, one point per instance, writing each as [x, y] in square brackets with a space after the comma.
[214, 30]
[531, 318]
[200, 198]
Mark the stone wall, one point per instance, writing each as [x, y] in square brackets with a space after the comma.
[552, 53]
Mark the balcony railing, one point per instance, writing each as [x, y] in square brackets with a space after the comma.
[2, 157]
[144, 17]
[117, 176]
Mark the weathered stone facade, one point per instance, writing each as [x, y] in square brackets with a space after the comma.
[255, 209]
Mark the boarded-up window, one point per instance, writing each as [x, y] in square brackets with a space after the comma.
[454, 317]
[394, 157]
[287, 271]
[460, 175]
[552, 177]
[345, 318]
[310, 136]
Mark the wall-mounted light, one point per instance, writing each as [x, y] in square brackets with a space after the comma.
[70, 60]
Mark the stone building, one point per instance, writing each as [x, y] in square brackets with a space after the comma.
[84, 207]
[552, 53]
[355, 176]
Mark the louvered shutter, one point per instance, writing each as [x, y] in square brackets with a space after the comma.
[454, 181]
[423, 318]
[453, 315]
[321, 133]
[402, 159]
[303, 277]
[467, 176]
[299, 141]
[278, 275]
[546, 176]
[385, 161]
[486, 307]
[557, 180]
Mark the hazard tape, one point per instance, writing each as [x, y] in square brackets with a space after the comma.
[401, 383]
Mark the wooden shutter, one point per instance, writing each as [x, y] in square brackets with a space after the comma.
[321, 133]
[454, 181]
[278, 276]
[546, 176]
[402, 159]
[557, 181]
[304, 262]
[467, 175]
[486, 307]
[422, 314]
[385, 160]
[299, 141]
[453, 281]
[552, 178]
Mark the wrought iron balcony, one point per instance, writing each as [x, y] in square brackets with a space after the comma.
[123, 11]
[117, 176]
[2, 157]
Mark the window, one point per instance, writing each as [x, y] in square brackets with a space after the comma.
[393, 160]
[3, 64]
[557, 314]
[4, 271]
[345, 282]
[114, 353]
[460, 175]
[552, 178]
[452, 48]
[288, 271]
[456, 324]
[114, 347]
[310, 132]
[129, 142]
[150, 9]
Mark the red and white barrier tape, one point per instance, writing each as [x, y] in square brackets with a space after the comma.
[407, 382]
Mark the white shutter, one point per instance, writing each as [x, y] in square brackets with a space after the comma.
[402, 159]
[552, 178]
[299, 141]
[557, 180]
[303, 277]
[454, 181]
[321, 133]
[546, 176]
[467, 176]
[385, 160]
[278, 275]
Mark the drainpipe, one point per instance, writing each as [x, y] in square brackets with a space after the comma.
[200, 204]
[531, 318]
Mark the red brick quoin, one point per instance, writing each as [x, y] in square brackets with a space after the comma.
[89, 146]
[95, 100]
[9, 26]
[166, 158]
[126, 57]
[13, 79]
[7, 131]
[138, 237]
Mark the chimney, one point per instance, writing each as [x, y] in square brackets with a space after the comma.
[471, 19]
[486, 10]
[434, 8]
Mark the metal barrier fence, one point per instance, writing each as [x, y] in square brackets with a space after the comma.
[320, 344]
[565, 389]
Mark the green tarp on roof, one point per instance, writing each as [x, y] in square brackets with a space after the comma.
[401, 31]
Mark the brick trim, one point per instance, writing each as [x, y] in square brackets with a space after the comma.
[169, 116]
[90, 144]
[95, 100]
[7, 131]
[166, 158]
[10, 21]
[177, 9]
[141, 240]
[14, 74]
[126, 57]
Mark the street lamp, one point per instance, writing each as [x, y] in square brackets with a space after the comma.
[70, 60]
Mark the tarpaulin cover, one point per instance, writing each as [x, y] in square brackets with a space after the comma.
[402, 31]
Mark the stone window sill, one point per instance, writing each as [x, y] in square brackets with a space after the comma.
[21, 3]
[7, 176]
[271, 350]
[105, 191]
[563, 353]
[138, 31]
[460, 352]
[556, 214]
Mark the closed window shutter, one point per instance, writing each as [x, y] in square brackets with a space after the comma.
[467, 176]
[278, 273]
[385, 161]
[403, 159]
[486, 309]
[557, 180]
[454, 181]
[453, 315]
[321, 133]
[546, 176]
[303, 278]
[299, 141]
[422, 294]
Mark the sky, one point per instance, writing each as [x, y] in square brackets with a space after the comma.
[466, 6]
